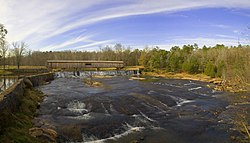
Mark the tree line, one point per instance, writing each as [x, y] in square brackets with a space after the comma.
[229, 63]
[217, 61]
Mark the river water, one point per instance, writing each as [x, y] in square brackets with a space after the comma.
[125, 110]
[6, 82]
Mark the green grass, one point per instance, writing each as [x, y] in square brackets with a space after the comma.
[24, 67]
[15, 127]
[3, 72]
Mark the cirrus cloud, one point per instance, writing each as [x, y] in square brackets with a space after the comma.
[40, 22]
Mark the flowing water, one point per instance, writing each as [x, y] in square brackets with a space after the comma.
[125, 110]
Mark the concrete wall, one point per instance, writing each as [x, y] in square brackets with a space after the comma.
[10, 99]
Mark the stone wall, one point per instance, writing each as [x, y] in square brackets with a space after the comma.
[41, 78]
[10, 99]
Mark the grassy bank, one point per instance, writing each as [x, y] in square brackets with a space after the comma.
[4, 72]
[199, 77]
[24, 67]
[17, 125]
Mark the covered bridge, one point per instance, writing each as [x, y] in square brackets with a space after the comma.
[73, 64]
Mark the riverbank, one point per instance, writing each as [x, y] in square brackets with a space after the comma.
[216, 83]
[15, 126]
[18, 106]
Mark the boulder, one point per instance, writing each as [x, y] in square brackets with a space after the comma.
[217, 82]
[51, 133]
[27, 83]
[35, 132]
[45, 134]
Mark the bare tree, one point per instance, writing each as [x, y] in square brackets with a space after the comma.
[4, 47]
[3, 32]
[18, 51]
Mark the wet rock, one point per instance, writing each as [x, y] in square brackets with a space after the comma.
[45, 83]
[135, 141]
[71, 131]
[141, 138]
[38, 106]
[197, 121]
[47, 138]
[38, 123]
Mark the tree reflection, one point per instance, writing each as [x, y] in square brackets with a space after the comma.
[6, 82]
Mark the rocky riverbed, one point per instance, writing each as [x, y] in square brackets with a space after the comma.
[126, 110]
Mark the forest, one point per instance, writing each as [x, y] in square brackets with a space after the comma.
[229, 63]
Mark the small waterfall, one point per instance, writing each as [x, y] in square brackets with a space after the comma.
[95, 73]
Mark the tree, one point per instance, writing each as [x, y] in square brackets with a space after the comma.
[3, 52]
[3, 32]
[191, 65]
[3, 45]
[158, 58]
[210, 69]
[175, 59]
[144, 57]
[19, 49]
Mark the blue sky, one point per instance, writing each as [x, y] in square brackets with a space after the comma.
[88, 25]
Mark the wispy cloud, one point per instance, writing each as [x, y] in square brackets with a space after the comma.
[37, 21]
[98, 43]
[225, 36]
[236, 11]
[221, 26]
[68, 43]
[229, 41]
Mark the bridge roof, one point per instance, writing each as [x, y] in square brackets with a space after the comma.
[82, 61]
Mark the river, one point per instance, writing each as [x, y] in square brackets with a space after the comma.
[123, 110]
[6, 82]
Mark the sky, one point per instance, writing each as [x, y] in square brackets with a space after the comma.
[87, 25]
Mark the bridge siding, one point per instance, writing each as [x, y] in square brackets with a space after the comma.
[68, 64]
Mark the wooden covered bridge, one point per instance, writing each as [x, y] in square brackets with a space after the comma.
[78, 64]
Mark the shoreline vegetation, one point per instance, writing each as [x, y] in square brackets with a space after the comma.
[18, 124]
[218, 83]
[230, 64]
